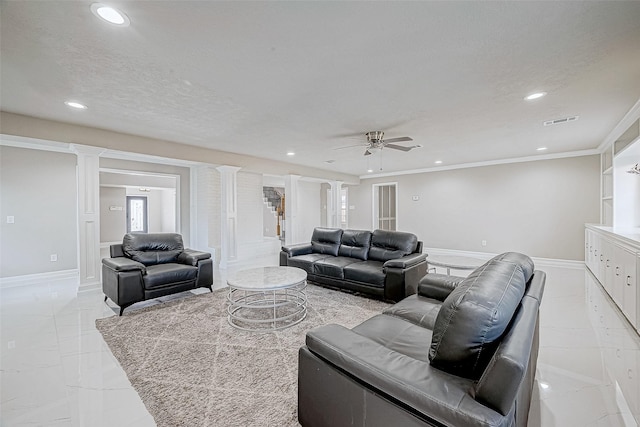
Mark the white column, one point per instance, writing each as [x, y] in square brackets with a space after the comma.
[291, 226]
[88, 178]
[334, 204]
[229, 215]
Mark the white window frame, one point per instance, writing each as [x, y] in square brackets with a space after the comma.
[376, 202]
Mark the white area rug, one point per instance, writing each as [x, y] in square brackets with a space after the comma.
[191, 368]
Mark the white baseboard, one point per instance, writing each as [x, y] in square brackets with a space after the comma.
[38, 278]
[485, 256]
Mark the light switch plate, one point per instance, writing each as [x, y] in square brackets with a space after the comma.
[10, 219]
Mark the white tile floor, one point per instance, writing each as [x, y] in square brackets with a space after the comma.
[57, 371]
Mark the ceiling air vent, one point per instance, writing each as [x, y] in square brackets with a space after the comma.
[558, 121]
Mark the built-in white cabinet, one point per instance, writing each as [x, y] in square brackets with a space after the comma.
[614, 259]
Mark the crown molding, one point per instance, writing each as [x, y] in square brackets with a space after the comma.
[580, 153]
[632, 115]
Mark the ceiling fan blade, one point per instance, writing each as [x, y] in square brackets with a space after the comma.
[348, 146]
[367, 153]
[401, 148]
[401, 139]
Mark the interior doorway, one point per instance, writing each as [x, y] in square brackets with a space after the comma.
[385, 206]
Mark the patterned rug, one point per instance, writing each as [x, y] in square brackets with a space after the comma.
[191, 368]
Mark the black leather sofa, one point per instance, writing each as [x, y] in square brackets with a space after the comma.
[461, 352]
[380, 263]
[152, 265]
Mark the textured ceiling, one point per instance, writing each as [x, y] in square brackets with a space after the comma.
[264, 78]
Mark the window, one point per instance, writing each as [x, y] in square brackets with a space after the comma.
[344, 208]
[137, 214]
[385, 206]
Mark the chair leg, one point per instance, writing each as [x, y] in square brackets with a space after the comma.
[105, 298]
[121, 310]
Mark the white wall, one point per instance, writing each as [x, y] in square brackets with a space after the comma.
[249, 192]
[38, 188]
[309, 208]
[113, 224]
[538, 208]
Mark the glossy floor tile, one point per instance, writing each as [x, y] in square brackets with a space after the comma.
[55, 369]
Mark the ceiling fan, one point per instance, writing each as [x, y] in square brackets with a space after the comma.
[376, 141]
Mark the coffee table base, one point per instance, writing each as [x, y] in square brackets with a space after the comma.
[264, 311]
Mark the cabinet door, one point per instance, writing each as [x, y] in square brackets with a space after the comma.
[625, 283]
[588, 249]
[608, 258]
[596, 256]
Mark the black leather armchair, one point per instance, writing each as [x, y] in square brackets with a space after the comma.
[460, 352]
[147, 266]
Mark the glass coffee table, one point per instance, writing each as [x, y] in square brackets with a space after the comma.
[267, 298]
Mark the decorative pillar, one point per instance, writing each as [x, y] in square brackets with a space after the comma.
[291, 226]
[335, 203]
[229, 215]
[88, 178]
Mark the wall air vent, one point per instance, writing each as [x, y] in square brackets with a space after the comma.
[558, 121]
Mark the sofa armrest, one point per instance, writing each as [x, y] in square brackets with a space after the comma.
[191, 256]
[438, 286]
[124, 264]
[405, 261]
[435, 394]
[295, 250]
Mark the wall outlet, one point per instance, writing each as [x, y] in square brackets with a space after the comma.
[484, 243]
[11, 219]
[53, 257]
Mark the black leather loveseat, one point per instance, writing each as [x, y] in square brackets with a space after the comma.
[380, 263]
[152, 265]
[462, 352]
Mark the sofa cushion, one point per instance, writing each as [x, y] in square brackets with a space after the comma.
[326, 240]
[386, 245]
[305, 262]
[153, 248]
[355, 244]
[398, 335]
[165, 274]
[332, 266]
[474, 316]
[419, 310]
[369, 272]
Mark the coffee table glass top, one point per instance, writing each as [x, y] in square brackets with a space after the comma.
[267, 278]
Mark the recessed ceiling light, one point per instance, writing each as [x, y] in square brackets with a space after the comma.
[535, 96]
[291, 153]
[74, 104]
[110, 14]
[369, 170]
[541, 148]
[437, 162]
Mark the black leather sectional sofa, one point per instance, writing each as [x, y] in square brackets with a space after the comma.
[152, 265]
[461, 352]
[379, 263]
